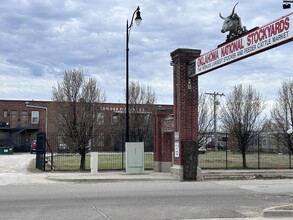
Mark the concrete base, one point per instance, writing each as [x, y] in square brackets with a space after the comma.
[163, 167]
[199, 176]
[177, 171]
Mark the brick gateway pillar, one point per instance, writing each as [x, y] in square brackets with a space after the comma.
[185, 115]
[163, 140]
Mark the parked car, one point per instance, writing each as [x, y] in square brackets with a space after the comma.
[33, 146]
[210, 146]
[221, 147]
[63, 148]
[202, 150]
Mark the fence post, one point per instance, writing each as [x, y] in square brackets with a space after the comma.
[258, 152]
[52, 162]
[290, 167]
[41, 151]
[226, 151]
[94, 163]
[122, 151]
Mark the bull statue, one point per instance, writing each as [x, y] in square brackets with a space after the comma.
[233, 24]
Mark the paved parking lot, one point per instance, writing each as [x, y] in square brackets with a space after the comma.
[13, 170]
[15, 163]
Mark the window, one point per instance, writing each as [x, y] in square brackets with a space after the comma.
[23, 113]
[35, 117]
[5, 113]
[100, 118]
[13, 113]
[147, 117]
[100, 140]
[115, 118]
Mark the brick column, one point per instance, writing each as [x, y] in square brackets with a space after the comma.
[185, 103]
[163, 139]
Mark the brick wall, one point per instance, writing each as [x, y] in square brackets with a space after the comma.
[185, 98]
[163, 135]
[24, 120]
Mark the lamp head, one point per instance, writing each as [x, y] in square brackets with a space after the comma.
[138, 19]
[286, 5]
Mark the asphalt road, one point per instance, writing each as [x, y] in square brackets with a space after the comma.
[30, 199]
[141, 200]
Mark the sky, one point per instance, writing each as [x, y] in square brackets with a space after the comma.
[40, 39]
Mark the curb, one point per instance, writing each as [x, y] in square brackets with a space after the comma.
[107, 178]
[80, 180]
[247, 175]
[152, 176]
[276, 212]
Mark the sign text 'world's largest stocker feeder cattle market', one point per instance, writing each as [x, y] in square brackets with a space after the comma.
[261, 39]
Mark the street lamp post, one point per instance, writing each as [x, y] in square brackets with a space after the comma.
[128, 28]
[289, 132]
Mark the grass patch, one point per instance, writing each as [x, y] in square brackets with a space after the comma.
[285, 208]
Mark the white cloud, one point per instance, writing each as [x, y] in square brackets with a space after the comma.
[42, 39]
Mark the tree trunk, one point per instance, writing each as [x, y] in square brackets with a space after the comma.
[244, 160]
[82, 161]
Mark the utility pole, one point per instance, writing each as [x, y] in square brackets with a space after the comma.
[216, 102]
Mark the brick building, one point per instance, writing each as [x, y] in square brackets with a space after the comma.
[21, 120]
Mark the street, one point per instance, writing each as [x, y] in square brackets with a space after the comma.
[42, 199]
[143, 200]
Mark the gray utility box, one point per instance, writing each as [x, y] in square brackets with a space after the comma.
[134, 157]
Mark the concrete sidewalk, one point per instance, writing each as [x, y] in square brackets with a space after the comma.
[109, 177]
[156, 176]
[247, 174]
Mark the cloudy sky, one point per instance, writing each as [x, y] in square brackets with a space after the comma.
[40, 39]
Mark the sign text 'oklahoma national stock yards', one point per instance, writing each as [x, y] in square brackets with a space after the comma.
[271, 35]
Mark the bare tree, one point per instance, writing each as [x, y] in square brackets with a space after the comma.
[205, 117]
[141, 102]
[241, 117]
[282, 115]
[76, 99]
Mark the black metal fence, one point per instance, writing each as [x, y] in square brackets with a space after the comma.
[60, 157]
[106, 161]
[227, 159]
[41, 151]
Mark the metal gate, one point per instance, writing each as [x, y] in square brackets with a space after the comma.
[41, 151]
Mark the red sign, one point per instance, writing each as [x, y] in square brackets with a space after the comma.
[264, 38]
